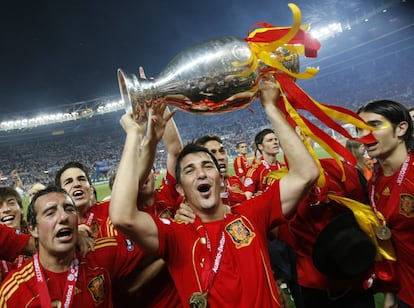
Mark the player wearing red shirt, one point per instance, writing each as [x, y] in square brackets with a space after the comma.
[314, 212]
[11, 215]
[74, 178]
[244, 235]
[391, 187]
[241, 164]
[232, 189]
[226, 240]
[255, 181]
[110, 260]
[55, 274]
[13, 243]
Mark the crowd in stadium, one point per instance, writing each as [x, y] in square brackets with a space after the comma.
[38, 157]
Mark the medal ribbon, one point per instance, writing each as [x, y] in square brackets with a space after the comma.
[208, 276]
[19, 263]
[45, 300]
[89, 219]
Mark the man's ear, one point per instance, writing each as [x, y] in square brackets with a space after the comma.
[402, 129]
[33, 231]
[179, 189]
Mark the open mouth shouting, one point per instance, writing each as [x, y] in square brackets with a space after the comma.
[64, 234]
[204, 189]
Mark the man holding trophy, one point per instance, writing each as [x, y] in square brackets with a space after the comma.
[221, 258]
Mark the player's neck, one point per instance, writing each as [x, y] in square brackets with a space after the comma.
[270, 158]
[214, 214]
[83, 212]
[392, 163]
[56, 263]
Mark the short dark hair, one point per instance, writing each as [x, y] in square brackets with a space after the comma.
[238, 144]
[31, 210]
[258, 139]
[7, 191]
[208, 137]
[71, 164]
[393, 112]
[190, 148]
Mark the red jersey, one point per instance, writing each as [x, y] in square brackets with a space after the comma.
[394, 198]
[97, 218]
[111, 260]
[235, 191]
[310, 219]
[241, 165]
[7, 267]
[12, 242]
[255, 179]
[167, 199]
[238, 246]
[160, 292]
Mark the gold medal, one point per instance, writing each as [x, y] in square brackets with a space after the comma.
[383, 232]
[198, 300]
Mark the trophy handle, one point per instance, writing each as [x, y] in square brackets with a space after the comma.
[129, 86]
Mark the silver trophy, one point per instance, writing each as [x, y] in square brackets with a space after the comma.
[215, 76]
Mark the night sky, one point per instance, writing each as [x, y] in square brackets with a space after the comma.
[59, 52]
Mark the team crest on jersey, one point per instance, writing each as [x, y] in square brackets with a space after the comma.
[407, 205]
[98, 289]
[165, 213]
[240, 234]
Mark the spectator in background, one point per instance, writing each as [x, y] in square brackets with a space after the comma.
[33, 189]
[241, 164]
[17, 182]
[364, 164]
[391, 188]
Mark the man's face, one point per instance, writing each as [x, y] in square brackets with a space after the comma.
[270, 145]
[242, 148]
[56, 224]
[219, 152]
[76, 184]
[200, 181]
[386, 136]
[10, 212]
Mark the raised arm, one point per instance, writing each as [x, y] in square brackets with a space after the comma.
[303, 171]
[136, 161]
[173, 143]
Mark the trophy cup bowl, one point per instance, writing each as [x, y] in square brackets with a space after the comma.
[216, 76]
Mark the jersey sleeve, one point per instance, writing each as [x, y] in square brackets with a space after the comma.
[250, 180]
[166, 195]
[238, 166]
[12, 243]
